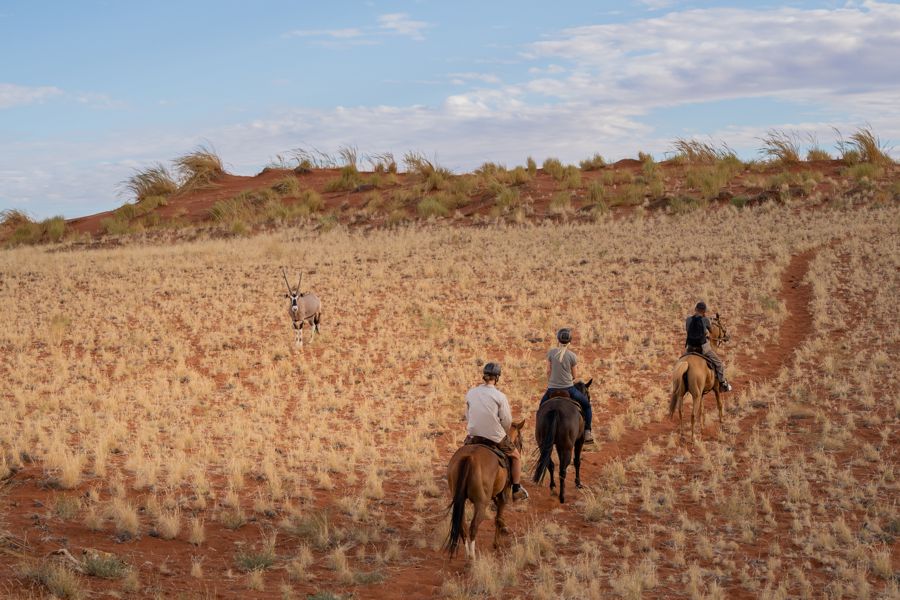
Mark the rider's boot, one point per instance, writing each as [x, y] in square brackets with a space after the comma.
[588, 437]
[519, 493]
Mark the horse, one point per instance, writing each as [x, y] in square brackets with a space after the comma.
[693, 375]
[560, 423]
[475, 474]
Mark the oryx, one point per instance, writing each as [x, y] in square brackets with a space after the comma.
[302, 308]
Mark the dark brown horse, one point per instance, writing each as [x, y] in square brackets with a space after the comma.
[475, 474]
[560, 423]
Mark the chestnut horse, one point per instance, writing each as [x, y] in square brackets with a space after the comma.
[475, 474]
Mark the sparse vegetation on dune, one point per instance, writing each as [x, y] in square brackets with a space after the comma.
[154, 181]
[17, 228]
[199, 168]
[696, 152]
[201, 432]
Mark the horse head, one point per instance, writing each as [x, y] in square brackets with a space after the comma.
[515, 434]
[718, 334]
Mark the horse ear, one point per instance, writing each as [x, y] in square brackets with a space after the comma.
[520, 424]
[717, 316]
[590, 381]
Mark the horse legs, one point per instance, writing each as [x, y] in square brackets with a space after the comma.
[477, 518]
[718, 403]
[565, 457]
[696, 409]
[550, 468]
[499, 525]
[579, 444]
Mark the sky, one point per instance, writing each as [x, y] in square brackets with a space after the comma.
[92, 90]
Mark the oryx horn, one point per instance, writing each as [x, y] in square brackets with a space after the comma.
[283, 274]
[299, 281]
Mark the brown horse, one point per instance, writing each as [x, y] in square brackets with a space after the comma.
[560, 423]
[475, 474]
[693, 375]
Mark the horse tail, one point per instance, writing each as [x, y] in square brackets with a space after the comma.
[457, 506]
[679, 385]
[543, 463]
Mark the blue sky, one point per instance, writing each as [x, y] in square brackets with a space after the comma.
[91, 90]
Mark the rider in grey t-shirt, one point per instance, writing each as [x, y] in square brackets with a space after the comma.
[562, 363]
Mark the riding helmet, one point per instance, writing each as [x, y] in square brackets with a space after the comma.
[564, 336]
[492, 370]
[700, 305]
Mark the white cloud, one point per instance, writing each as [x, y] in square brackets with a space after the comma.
[391, 24]
[402, 24]
[723, 53]
[466, 77]
[22, 95]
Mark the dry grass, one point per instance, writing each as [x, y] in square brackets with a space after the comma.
[199, 168]
[206, 412]
[152, 181]
[696, 152]
[781, 146]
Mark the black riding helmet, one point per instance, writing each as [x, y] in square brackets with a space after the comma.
[700, 306]
[492, 370]
[564, 335]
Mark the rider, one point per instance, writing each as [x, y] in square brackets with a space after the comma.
[489, 417]
[561, 372]
[697, 327]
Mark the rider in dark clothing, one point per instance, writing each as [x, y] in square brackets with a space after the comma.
[697, 327]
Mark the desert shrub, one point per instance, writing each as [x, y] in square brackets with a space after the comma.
[863, 170]
[694, 152]
[18, 228]
[256, 559]
[645, 157]
[561, 202]
[152, 181]
[59, 581]
[430, 175]
[105, 566]
[571, 178]
[816, 153]
[554, 168]
[349, 156]
[116, 225]
[628, 195]
[781, 146]
[382, 162]
[199, 168]
[867, 146]
[531, 166]
[348, 180]
[616, 177]
[507, 198]
[593, 163]
[431, 206]
[287, 186]
[685, 204]
[740, 201]
[596, 193]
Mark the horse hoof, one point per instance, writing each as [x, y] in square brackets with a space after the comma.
[578, 485]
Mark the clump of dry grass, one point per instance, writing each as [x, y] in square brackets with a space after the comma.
[199, 169]
[59, 580]
[696, 152]
[152, 181]
[431, 176]
[868, 147]
[781, 146]
[593, 163]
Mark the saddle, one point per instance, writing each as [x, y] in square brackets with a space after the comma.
[564, 394]
[491, 445]
[709, 363]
